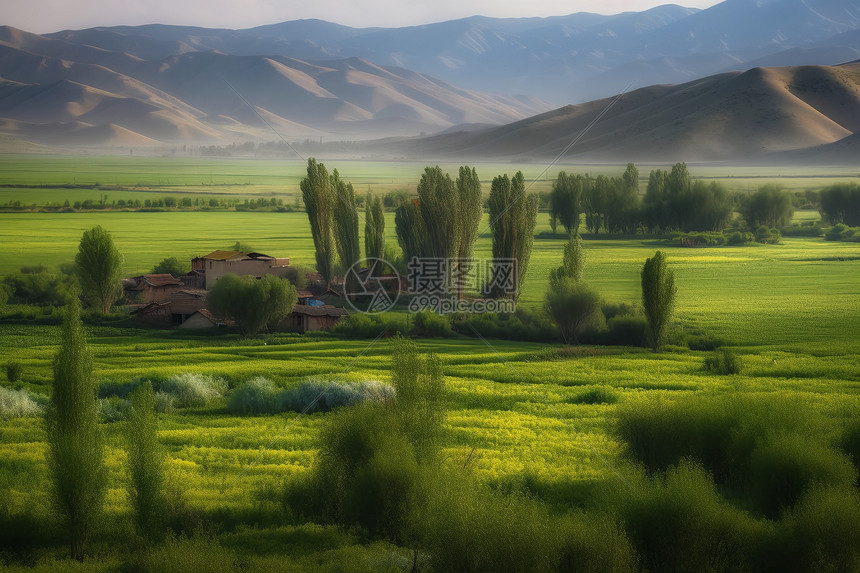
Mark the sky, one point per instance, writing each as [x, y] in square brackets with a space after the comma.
[42, 16]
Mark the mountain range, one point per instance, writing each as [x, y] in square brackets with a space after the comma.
[686, 80]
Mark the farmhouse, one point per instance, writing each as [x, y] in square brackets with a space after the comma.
[168, 301]
[150, 288]
[218, 263]
[305, 318]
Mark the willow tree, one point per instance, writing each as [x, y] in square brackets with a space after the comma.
[513, 215]
[468, 218]
[374, 227]
[98, 265]
[319, 202]
[75, 444]
[345, 222]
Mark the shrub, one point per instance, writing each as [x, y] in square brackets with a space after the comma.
[850, 442]
[256, 396]
[431, 325]
[704, 343]
[193, 390]
[108, 388]
[367, 326]
[822, 533]
[627, 330]
[18, 404]
[784, 466]
[839, 232]
[524, 325]
[317, 395]
[596, 395]
[678, 522]
[739, 238]
[595, 544]
[766, 235]
[113, 409]
[723, 361]
[13, 371]
[472, 529]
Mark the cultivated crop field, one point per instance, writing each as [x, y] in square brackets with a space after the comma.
[540, 419]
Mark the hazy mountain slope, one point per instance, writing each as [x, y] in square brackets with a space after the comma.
[733, 115]
[188, 96]
[565, 59]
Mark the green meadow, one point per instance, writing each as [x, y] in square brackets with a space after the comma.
[541, 418]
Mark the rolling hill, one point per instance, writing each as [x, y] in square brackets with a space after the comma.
[194, 96]
[563, 59]
[754, 114]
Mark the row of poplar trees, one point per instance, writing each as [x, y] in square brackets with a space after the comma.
[442, 223]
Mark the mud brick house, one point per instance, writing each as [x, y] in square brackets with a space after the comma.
[145, 289]
[218, 263]
[305, 318]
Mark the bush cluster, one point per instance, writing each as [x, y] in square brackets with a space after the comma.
[260, 395]
[18, 404]
[723, 361]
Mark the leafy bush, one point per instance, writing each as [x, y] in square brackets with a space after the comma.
[114, 409]
[822, 533]
[766, 235]
[595, 544]
[524, 325]
[804, 230]
[431, 325]
[739, 238]
[723, 361]
[850, 442]
[841, 232]
[193, 390]
[13, 371]
[108, 388]
[627, 330]
[256, 396]
[472, 529]
[18, 404]
[324, 395]
[784, 466]
[704, 342]
[596, 395]
[704, 239]
[678, 522]
[367, 326]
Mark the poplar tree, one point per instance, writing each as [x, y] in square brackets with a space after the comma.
[658, 296]
[319, 202]
[468, 218]
[75, 444]
[374, 227]
[513, 215]
[345, 222]
[438, 202]
[146, 464]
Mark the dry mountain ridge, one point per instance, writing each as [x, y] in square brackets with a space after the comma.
[728, 116]
[188, 97]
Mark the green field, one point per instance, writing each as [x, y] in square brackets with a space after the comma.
[516, 410]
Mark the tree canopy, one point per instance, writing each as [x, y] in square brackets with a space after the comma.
[98, 265]
[253, 303]
[658, 296]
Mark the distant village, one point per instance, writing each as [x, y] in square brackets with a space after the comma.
[168, 301]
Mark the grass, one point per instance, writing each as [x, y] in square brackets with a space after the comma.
[519, 413]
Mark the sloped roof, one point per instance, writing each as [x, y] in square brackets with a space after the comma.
[222, 255]
[319, 310]
[195, 292]
[161, 280]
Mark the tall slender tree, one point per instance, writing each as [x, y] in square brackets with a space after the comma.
[566, 201]
[374, 227]
[438, 201]
[345, 222]
[98, 266]
[319, 203]
[75, 444]
[411, 233]
[146, 464]
[513, 215]
[658, 296]
[468, 218]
